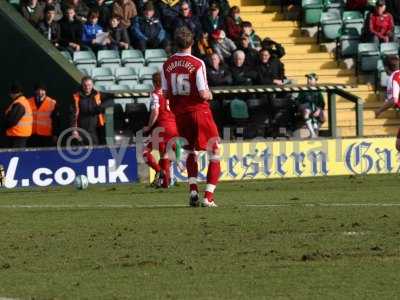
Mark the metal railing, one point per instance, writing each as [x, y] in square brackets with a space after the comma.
[225, 92]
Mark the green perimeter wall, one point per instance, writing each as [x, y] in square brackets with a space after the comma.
[27, 57]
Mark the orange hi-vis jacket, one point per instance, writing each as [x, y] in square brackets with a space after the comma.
[24, 126]
[97, 98]
[42, 122]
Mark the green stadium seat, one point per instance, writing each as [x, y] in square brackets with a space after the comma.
[129, 82]
[382, 75]
[312, 10]
[67, 55]
[125, 73]
[84, 58]
[397, 32]
[85, 69]
[348, 42]
[155, 55]
[331, 24]
[104, 56]
[238, 109]
[142, 87]
[132, 56]
[389, 48]
[367, 57]
[353, 19]
[102, 85]
[117, 87]
[146, 73]
[158, 65]
[102, 74]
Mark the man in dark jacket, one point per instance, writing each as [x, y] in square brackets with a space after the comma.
[269, 70]
[252, 56]
[88, 114]
[213, 21]
[241, 74]
[275, 48]
[186, 18]
[218, 73]
[169, 11]
[147, 30]
[49, 28]
[71, 31]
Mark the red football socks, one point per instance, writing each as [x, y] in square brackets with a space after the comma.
[214, 170]
[192, 169]
[165, 165]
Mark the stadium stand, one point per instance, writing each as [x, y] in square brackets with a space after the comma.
[132, 68]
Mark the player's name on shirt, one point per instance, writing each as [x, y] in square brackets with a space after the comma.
[181, 63]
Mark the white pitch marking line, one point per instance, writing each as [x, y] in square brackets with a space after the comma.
[172, 205]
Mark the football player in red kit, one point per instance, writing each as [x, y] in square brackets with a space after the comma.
[184, 81]
[162, 129]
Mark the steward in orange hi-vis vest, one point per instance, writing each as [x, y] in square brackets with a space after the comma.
[42, 121]
[18, 119]
[23, 128]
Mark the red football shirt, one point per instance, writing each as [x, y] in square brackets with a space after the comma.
[165, 115]
[183, 76]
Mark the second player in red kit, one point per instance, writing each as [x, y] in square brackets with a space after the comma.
[184, 81]
[162, 130]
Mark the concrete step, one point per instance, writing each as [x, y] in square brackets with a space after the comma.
[289, 57]
[293, 71]
[370, 131]
[325, 79]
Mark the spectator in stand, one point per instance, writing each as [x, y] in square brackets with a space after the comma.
[233, 24]
[311, 105]
[213, 21]
[187, 19]
[254, 40]
[17, 119]
[33, 11]
[199, 8]
[126, 10]
[104, 12]
[381, 24]
[222, 45]
[252, 56]
[81, 9]
[91, 30]
[223, 7]
[169, 11]
[202, 48]
[50, 28]
[118, 38]
[269, 69]
[274, 48]
[241, 74]
[87, 111]
[46, 118]
[218, 73]
[147, 30]
[71, 31]
[57, 8]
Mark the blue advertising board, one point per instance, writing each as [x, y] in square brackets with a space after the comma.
[60, 166]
